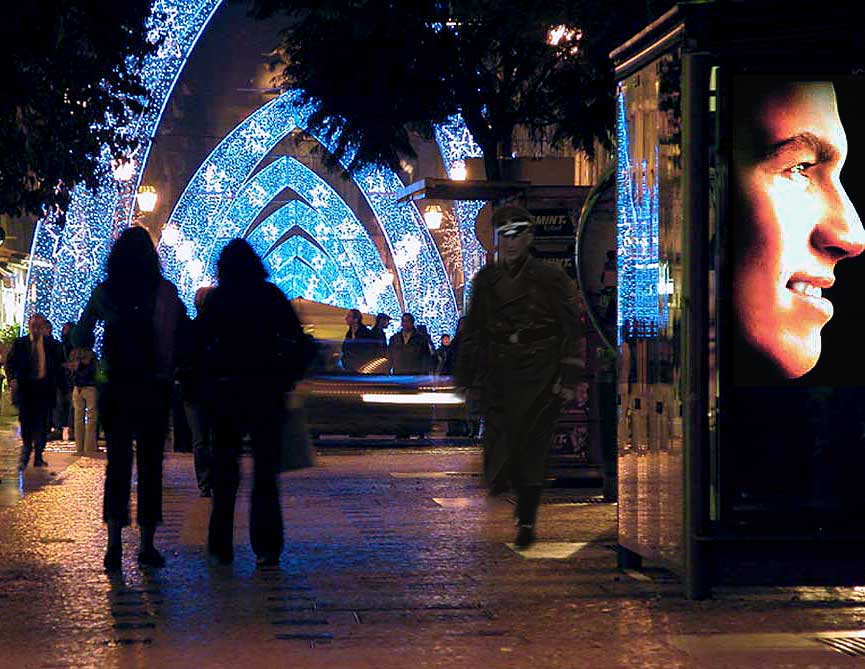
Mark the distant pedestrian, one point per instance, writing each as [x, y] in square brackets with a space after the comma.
[63, 413]
[191, 387]
[382, 320]
[518, 349]
[142, 314]
[408, 351]
[83, 367]
[442, 355]
[34, 369]
[248, 369]
[358, 344]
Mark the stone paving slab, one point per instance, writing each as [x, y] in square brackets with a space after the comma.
[377, 573]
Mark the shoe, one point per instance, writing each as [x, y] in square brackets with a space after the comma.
[40, 463]
[525, 536]
[267, 560]
[113, 559]
[151, 558]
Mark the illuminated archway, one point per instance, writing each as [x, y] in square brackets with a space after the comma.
[66, 262]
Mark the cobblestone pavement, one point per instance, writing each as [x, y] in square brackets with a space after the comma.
[393, 559]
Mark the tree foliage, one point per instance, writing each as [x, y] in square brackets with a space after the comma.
[70, 82]
[375, 70]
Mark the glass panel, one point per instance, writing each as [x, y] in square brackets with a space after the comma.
[649, 253]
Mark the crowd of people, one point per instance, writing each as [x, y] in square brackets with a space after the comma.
[515, 352]
[233, 382]
[408, 351]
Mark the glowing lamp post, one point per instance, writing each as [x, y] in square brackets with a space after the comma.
[433, 216]
[458, 171]
[171, 235]
[146, 198]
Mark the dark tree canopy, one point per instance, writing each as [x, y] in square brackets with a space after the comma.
[375, 70]
[69, 67]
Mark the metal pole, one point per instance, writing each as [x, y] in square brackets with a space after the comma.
[695, 205]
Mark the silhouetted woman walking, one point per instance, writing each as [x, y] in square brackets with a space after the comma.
[141, 314]
[249, 331]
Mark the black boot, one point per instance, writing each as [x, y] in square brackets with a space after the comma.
[528, 499]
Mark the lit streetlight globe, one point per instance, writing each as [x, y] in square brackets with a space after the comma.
[195, 268]
[170, 235]
[184, 251]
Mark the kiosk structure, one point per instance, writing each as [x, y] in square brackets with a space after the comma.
[740, 182]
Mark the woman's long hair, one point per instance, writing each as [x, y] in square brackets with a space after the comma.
[132, 267]
[238, 264]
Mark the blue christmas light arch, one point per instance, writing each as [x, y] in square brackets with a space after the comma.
[66, 262]
[221, 199]
[297, 218]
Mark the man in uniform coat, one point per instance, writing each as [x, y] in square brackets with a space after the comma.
[34, 369]
[518, 350]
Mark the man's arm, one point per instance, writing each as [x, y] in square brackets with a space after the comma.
[12, 361]
[568, 313]
[83, 330]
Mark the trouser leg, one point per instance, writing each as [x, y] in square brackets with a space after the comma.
[199, 429]
[152, 425]
[79, 405]
[225, 478]
[118, 472]
[265, 521]
[40, 430]
[25, 419]
[528, 500]
[91, 400]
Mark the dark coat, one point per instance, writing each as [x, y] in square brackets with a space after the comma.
[518, 340]
[412, 357]
[19, 368]
[358, 350]
[140, 339]
[247, 333]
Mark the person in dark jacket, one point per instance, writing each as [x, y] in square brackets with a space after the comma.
[191, 382]
[35, 371]
[249, 332]
[83, 367]
[443, 355]
[408, 351]
[382, 320]
[518, 350]
[358, 345]
[142, 314]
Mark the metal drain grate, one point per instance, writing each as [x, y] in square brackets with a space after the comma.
[545, 500]
[854, 646]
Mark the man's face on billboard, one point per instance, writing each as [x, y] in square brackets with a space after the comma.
[793, 221]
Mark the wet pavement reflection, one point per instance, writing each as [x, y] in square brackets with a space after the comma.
[393, 559]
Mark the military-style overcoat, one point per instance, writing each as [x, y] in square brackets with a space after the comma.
[519, 344]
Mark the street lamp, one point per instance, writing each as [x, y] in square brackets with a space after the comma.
[123, 168]
[433, 216]
[146, 198]
[170, 235]
[458, 171]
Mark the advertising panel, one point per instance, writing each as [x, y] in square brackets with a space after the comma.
[793, 442]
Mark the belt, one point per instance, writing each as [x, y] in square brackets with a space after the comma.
[527, 336]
